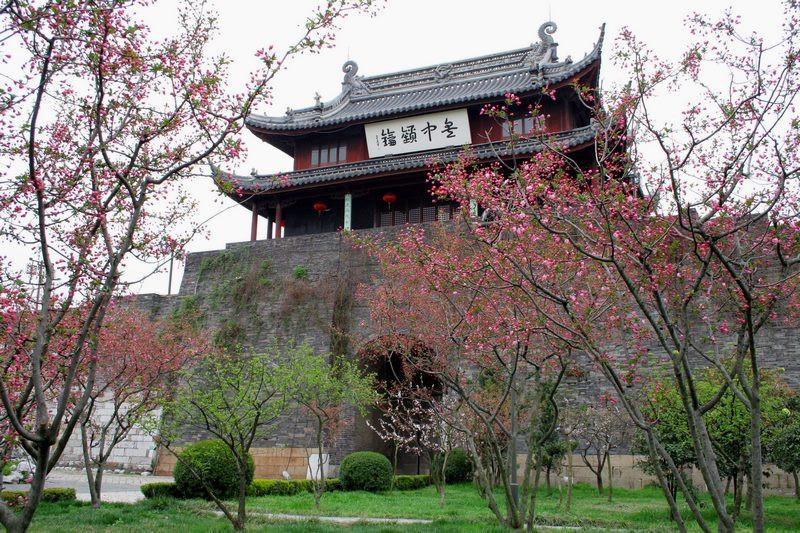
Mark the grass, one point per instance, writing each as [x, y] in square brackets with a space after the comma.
[642, 510]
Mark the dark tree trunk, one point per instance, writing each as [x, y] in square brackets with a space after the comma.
[547, 481]
[738, 482]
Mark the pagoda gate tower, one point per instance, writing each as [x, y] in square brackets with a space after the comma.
[362, 162]
[362, 159]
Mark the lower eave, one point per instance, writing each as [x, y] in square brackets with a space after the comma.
[244, 187]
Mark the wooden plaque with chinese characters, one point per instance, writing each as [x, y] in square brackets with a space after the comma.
[415, 134]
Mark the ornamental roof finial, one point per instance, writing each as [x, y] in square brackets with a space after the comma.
[544, 52]
[350, 81]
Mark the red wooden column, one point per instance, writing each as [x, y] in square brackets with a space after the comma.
[254, 223]
[278, 220]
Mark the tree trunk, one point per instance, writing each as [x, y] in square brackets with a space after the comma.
[547, 481]
[98, 486]
[707, 464]
[94, 493]
[610, 476]
[738, 481]
[599, 476]
[442, 480]
[796, 485]
[19, 522]
[534, 493]
[394, 466]
[756, 458]
[569, 480]
[241, 514]
[318, 484]
[749, 502]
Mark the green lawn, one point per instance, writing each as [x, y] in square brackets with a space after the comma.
[465, 511]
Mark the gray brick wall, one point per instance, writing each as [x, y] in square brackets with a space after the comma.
[283, 307]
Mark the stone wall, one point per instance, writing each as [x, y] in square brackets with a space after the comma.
[300, 288]
[268, 462]
[627, 474]
[136, 453]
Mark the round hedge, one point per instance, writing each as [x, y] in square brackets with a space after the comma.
[459, 467]
[215, 462]
[369, 471]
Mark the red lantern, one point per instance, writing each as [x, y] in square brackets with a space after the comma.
[390, 198]
[319, 207]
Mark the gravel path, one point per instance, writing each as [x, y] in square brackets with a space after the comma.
[341, 520]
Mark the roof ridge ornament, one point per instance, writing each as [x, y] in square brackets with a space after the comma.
[443, 71]
[351, 83]
[544, 52]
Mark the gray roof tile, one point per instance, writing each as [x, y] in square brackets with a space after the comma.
[468, 80]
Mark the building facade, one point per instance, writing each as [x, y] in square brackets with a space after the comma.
[362, 159]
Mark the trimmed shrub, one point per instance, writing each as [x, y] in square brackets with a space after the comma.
[458, 468]
[160, 490]
[277, 487]
[15, 498]
[333, 483]
[283, 487]
[368, 471]
[58, 494]
[411, 482]
[216, 465]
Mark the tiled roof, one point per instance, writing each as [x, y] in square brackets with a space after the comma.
[273, 182]
[475, 79]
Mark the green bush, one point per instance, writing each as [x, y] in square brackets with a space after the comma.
[277, 487]
[300, 272]
[458, 468]
[281, 487]
[58, 494]
[15, 498]
[368, 471]
[411, 482]
[333, 483]
[215, 464]
[159, 490]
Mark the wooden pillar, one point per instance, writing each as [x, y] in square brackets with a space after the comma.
[254, 223]
[473, 208]
[278, 221]
[348, 211]
[269, 228]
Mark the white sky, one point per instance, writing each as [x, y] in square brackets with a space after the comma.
[413, 33]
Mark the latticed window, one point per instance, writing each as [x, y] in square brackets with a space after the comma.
[328, 154]
[415, 214]
[522, 126]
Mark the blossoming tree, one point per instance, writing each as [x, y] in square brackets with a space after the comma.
[139, 362]
[680, 239]
[100, 123]
[457, 312]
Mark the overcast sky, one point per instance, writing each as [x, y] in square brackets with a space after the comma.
[413, 33]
